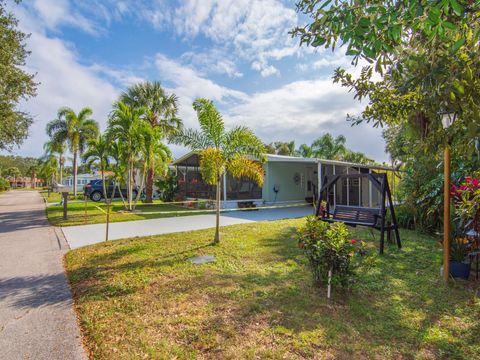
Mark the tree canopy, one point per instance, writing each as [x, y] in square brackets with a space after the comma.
[15, 83]
[423, 57]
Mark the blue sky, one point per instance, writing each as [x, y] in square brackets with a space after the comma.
[236, 52]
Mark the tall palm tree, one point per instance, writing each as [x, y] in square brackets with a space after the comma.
[125, 126]
[53, 148]
[98, 152]
[222, 151]
[160, 112]
[74, 129]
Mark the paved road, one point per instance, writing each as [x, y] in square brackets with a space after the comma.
[37, 320]
[82, 235]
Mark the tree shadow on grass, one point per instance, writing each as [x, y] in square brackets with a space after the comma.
[395, 305]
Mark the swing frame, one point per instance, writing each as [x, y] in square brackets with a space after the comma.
[362, 216]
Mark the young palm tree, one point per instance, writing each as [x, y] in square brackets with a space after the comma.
[222, 151]
[98, 152]
[53, 148]
[76, 130]
[160, 112]
[125, 126]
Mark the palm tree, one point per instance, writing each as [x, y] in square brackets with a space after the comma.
[305, 151]
[160, 112]
[32, 172]
[117, 155]
[222, 151]
[357, 157]
[98, 152]
[76, 130]
[125, 126]
[48, 169]
[153, 154]
[54, 148]
[327, 147]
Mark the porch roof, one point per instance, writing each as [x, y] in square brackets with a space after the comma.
[191, 159]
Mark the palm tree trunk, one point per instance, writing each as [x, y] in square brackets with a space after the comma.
[75, 173]
[130, 187]
[61, 168]
[105, 195]
[121, 195]
[216, 240]
[140, 189]
[149, 186]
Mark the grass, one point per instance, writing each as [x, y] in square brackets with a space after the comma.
[55, 197]
[96, 213]
[141, 298]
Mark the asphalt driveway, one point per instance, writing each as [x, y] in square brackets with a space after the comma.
[37, 320]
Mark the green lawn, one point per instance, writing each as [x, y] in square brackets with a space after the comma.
[76, 213]
[140, 298]
[55, 197]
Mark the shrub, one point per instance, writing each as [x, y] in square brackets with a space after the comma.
[327, 246]
[405, 217]
[168, 186]
[4, 184]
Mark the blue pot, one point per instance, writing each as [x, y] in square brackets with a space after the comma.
[459, 270]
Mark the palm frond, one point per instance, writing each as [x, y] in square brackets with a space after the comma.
[242, 141]
[193, 139]
[242, 166]
[210, 120]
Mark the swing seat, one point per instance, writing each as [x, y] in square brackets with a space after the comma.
[353, 216]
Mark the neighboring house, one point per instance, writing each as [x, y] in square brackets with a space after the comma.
[287, 179]
[82, 180]
[24, 182]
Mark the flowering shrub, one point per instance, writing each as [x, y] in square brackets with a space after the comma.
[466, 197]
[328, 246]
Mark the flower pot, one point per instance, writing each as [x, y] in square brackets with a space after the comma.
[459, 270]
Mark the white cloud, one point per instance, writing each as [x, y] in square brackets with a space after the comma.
[53, 13]
[301, 110]
[214, 61]
[257, 31]
[304, 110]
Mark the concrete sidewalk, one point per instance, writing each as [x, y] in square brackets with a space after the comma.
[37, 320]
[82, 235]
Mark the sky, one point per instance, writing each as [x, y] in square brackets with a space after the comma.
[237, 53]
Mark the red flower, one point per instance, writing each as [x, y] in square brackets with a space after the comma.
[353, 241]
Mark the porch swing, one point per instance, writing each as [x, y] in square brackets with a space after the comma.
[358, 215]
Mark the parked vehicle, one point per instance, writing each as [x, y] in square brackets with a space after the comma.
[94, 190]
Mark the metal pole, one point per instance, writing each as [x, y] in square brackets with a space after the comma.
[446, 215]
[65, 201]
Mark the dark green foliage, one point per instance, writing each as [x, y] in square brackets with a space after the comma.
[167, 186]
[4, 184]
[15, 84]
[327, 247]
[22, 163]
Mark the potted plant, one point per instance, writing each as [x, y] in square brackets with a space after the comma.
[459, 265]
